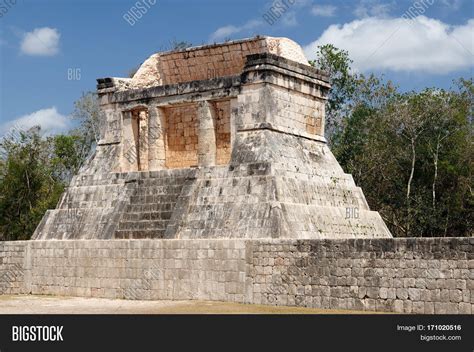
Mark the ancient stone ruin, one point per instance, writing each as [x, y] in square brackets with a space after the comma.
[216, 141]
[213, 181]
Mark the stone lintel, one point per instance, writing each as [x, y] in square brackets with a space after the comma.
[268, 66]
[256, 60]
[188, 91]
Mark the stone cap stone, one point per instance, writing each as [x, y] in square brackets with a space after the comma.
[292, 67]
[205, 62]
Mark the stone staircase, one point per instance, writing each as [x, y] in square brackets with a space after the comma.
[152, 204]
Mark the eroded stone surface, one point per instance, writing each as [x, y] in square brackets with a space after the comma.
[219, 141]
[423, 275]
[211, 61]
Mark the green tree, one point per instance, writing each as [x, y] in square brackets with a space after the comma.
[35, 169]
[180, 45]
[27, 186]
[410, 152]
[87, 112]
[411, 155]
[338, 65]
[67, 156]
[33, 174]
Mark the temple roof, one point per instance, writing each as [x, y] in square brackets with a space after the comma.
[210, 61]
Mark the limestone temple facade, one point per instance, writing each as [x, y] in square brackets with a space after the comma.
[213, 181]
[216, 141]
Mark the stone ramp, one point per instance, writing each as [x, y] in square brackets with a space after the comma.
[254, 200]
[87, 209]
[246, 203]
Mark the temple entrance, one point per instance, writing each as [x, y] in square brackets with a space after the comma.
[177, 137]
[198, 134]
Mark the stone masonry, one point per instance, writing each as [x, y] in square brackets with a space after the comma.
[213, 181]
[424, 275]
[216, 141]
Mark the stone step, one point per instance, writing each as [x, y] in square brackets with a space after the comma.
[153, 200]
[144, 216]
[157, 191]
[151, 205]
[97, 180]
[143, 225]
[87, 197]
[167, 181]
[139, 234]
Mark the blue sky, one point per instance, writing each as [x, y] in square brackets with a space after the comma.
[42, 41]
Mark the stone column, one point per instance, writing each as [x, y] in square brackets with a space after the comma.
[206, 134]
[322, 113]
[143, 140]
[234, 106]
[128, 145]
[156, 138]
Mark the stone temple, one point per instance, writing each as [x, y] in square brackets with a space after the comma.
[213, 181]
[216, 141]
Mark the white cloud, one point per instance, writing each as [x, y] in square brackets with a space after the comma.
[50, 120]
[372, 8]
[41, 42]
[289, 19]
[228, 31]
[323, 10]
[419, 44]
[299, 3]
[285, 15]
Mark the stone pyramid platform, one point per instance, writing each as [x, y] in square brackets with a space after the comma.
[216, 141]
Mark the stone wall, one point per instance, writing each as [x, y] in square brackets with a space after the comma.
[181, 136]
[297, 111]
[12, 267]
[211, 61]
[388, 275]
[181, 130]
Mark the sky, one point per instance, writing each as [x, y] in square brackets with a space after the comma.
[51, 51]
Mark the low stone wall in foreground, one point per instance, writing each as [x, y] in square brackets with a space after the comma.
[391, 275]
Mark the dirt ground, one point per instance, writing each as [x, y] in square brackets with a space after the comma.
[77, 305]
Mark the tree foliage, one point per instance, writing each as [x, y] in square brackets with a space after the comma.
[410, 152]
[87, 113]
[35, 169]
[28, 187]
[337, 64]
